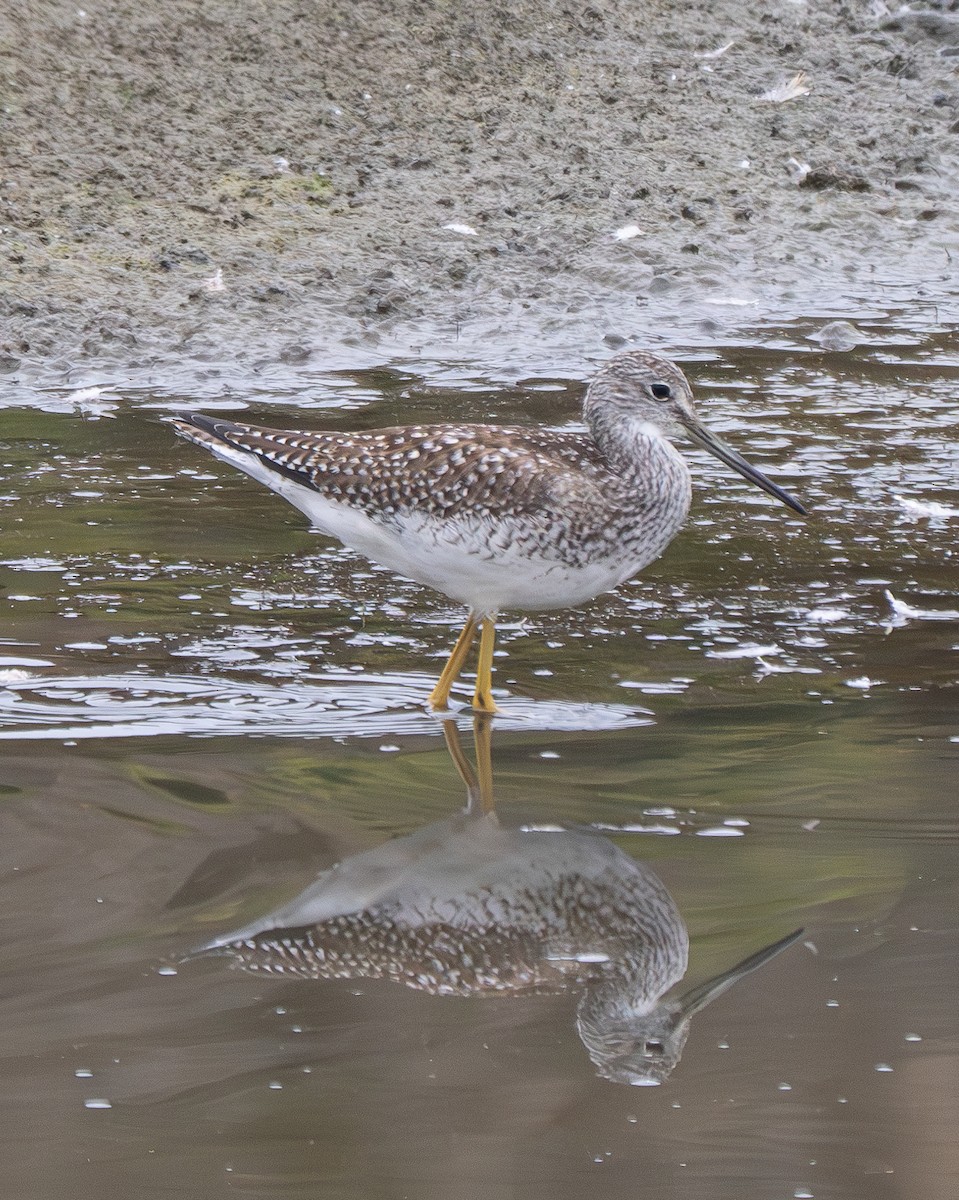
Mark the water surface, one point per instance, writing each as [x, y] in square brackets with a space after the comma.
[202, 705]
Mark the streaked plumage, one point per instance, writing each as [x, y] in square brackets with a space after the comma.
[466, 907]
[498, 517]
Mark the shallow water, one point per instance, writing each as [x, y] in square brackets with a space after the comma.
[202, 706]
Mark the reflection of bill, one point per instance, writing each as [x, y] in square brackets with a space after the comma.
[466, 907]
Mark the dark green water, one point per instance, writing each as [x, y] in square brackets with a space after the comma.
[202, 706]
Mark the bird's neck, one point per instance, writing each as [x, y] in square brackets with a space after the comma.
[633, 448]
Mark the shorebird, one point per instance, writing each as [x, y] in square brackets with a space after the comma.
[499, 517]
[468, 907]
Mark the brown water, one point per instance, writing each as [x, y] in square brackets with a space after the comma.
[202, 706]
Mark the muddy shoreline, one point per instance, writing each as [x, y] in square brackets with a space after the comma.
[193, 196]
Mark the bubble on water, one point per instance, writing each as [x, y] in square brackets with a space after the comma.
[913, 1037]
[275, 1085]
[837, 335]
[827, 616]
[747, 650]
[97, 1102]
[785, 1087]
[83, 1073]
[883, 1068]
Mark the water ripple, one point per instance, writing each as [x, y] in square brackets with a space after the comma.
[139, 705]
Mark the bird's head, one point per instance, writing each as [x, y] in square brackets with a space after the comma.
[641, 1047]
[641, 388]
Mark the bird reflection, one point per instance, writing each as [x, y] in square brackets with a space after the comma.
[467, 907]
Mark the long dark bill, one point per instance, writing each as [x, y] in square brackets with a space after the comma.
[697, 999]
[715, 445]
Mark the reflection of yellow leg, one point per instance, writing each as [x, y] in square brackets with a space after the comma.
[479, 783]
[483, 740]
[462, 764]
[483, 696]
[440, 695]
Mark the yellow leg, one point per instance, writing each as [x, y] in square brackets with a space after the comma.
[440, 695]
[483, 696]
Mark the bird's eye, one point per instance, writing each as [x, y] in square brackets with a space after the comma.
[661, 391]
[654, 1047]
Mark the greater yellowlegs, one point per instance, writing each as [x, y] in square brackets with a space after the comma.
[499, 517]
[469, 907]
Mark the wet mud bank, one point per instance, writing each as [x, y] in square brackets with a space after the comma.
[195, 195]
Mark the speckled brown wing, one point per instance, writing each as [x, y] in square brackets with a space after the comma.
[441, 959]
[441, 471]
